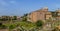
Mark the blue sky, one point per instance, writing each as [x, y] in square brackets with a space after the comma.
[20, 7]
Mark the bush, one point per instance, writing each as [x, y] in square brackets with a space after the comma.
[39, 23]
[26, 25]
[0, 24]
[12, 26]
[3, 27]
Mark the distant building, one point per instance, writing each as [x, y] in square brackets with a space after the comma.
[42, 14]
[18, 18]
[9, 18]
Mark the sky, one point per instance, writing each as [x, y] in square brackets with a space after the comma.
[20, 7]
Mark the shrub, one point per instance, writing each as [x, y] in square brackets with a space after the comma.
[3, 27]
[12, 26]
[39, 23]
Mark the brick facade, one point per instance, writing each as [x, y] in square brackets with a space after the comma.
[42, 14]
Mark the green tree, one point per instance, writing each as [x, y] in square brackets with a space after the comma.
[39, 23]
[24, 17]
[54, 14]
[0, 24]
[15, 17]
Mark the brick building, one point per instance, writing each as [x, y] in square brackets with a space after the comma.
[41, 14]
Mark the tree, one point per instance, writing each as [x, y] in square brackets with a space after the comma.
[15, 17]
[39, 23]
[24, 17]
[4, 18]
[0, 24]
[54, 14]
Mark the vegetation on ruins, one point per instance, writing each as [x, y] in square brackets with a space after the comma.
[25, 25]
[39, 23]
[2, 26]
